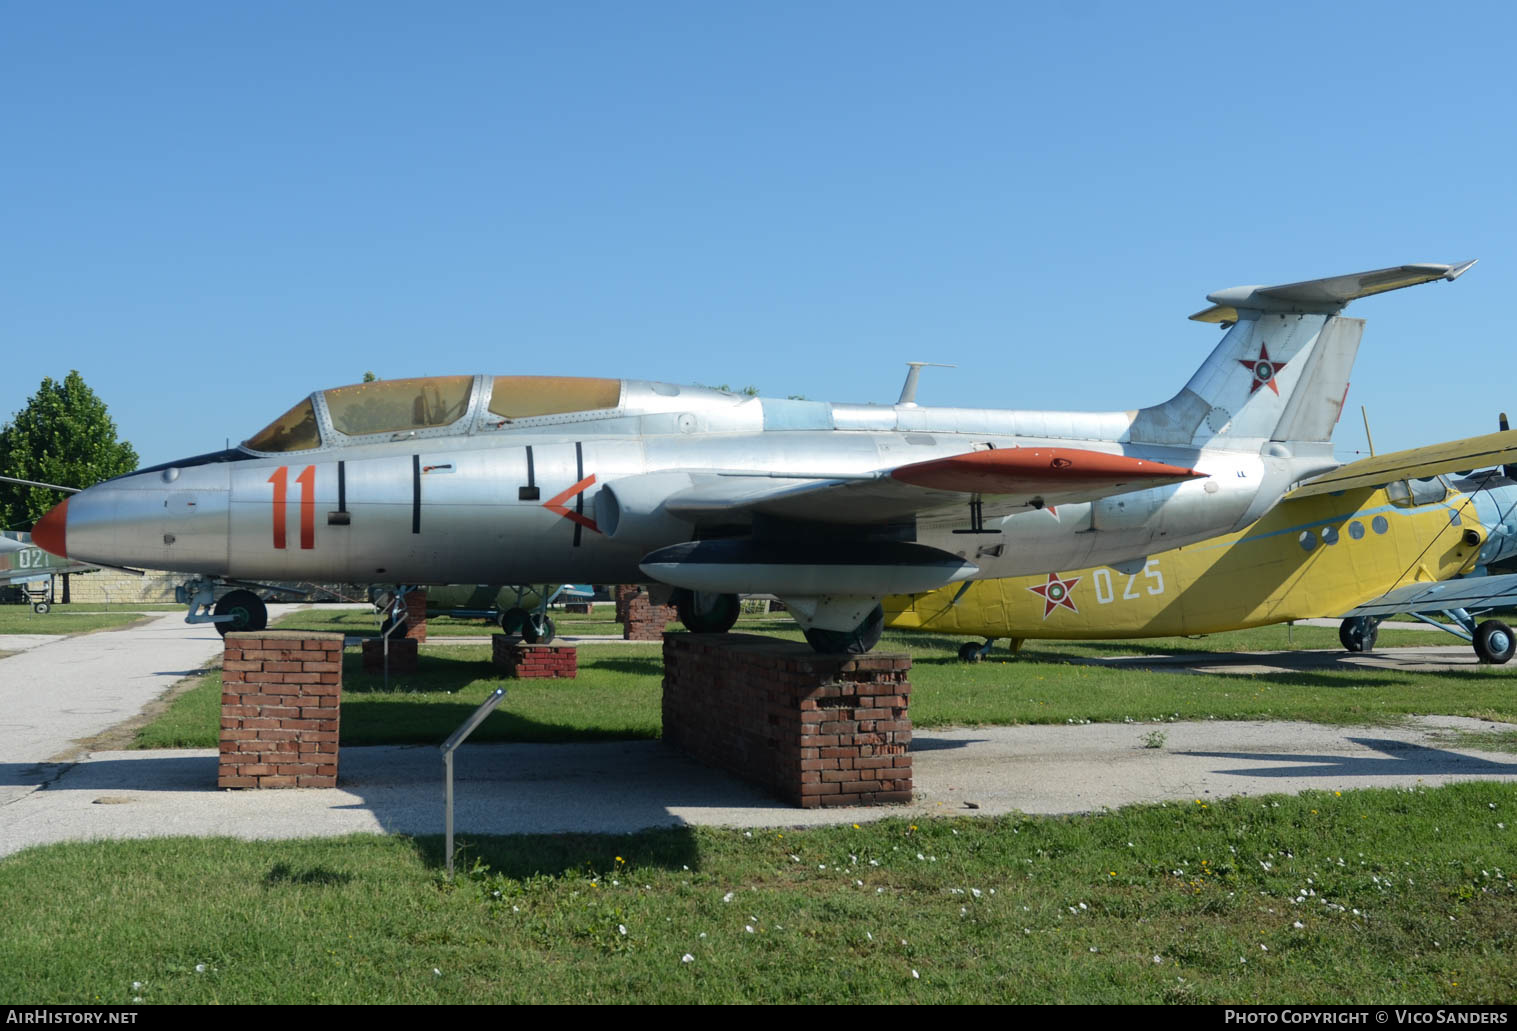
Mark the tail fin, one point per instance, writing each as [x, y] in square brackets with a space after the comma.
[1281, 372]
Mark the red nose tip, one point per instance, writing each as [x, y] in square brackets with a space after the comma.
[51, 532]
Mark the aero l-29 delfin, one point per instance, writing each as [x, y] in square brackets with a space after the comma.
[831, 507]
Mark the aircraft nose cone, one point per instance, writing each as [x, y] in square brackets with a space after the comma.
[51, 532]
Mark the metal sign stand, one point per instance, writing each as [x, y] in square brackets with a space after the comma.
[454, 740]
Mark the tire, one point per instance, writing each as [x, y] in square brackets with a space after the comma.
[1494, 642]
[1358, 633]
[512, 620]
[704, 613]
[247, 610]
[41, 608]
[849, 642]
[971, 652]
[538, 627]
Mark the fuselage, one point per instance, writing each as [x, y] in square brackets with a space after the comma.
[503, 480]
[1313, 557]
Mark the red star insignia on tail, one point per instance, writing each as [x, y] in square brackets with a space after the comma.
[1264, 370]
[1056, 593]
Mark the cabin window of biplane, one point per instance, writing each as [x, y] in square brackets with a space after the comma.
[295, 430]
[530, 397]
[1412, 493]
[396, 405]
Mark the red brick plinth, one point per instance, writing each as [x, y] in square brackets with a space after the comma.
[281, 692]
[818, 730]
[416, 616]
[402, 655]
[641, 619]
[521, 660]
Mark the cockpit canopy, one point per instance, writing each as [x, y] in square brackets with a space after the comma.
[430, 403]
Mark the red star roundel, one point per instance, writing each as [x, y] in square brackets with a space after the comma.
[1057, 593]
[1264, 370]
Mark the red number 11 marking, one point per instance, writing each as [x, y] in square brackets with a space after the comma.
[307, 481]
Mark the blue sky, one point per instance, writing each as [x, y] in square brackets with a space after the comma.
[211, 209]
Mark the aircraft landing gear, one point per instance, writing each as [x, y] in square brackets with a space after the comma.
[850, 642]
[1494, 642]
[537, 626]
[246, 609]
[705, 613]
[971, 652]
[1358, 633]
[41, 608]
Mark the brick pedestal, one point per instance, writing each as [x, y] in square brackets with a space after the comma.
[522, 660]
[403, 654]
[281, 692]
[642, 620]
[817, 730]
[416, 616]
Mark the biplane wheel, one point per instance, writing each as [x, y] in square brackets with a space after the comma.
[1494, 642]
[537, 627]
[41, 608]
[705, 613]
[971, 652]
[247, 610]
[1358, 633]
[849, 642]
[512, 620]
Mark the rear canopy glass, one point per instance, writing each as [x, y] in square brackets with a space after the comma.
[389, 406]
[295, 430]
[524, 397]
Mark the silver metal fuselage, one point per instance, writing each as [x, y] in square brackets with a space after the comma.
[486, 500]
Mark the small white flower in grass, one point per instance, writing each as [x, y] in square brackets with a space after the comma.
[975, 892]
[795, 858]
[821, 866]
[869, 935]
[621, 929]
[136, 998]
[963, 911]
[921, 857]
[199, 968]
[1263, 947]
[687, 958]
[727, 897]
[874, 862]
[436, 972]
[914, 975]
[747, 834]
[136, 986]
[1094, 949]
[1298, 925]
[748, 928]
[1158, 958]
[859, 883]
[703, 934]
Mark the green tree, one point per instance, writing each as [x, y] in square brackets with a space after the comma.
[65, 436]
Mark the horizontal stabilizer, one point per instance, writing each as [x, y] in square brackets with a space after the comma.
[1472, 592]
[1323, 296]
[1417, 463]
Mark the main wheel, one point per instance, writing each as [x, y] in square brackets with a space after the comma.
[705, 613]
[1358, 633]
[247, 610]
[537, 627]
[849, 642]
[41, 608]
[1494, 642]
[971, 652]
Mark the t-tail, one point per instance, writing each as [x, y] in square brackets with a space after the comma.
[1281, 372]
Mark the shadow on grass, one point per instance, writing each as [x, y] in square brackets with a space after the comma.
[283, 874]
[522, 856]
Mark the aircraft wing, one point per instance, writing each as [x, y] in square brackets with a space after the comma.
[1470, 453]
[1005, 480]
[1471, 592]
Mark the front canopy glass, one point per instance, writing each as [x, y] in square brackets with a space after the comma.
[295, 430]
[390, 406]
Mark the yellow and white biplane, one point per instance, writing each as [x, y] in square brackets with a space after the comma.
[1372, 538]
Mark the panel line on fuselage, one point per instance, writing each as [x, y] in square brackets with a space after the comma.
[416, 494]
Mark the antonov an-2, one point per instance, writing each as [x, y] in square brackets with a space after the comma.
[831, 507]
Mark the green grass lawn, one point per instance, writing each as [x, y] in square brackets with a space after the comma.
[68, 619]
[1390, 896]
[365, 623]
[617, 693]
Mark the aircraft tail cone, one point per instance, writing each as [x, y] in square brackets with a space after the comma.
[51, 532]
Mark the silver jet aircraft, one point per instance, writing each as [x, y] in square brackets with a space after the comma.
[532, 479]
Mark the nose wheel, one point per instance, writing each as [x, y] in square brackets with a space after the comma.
[1494, 642]
[1358, 633]
[246, 609]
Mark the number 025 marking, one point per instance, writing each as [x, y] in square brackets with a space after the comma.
[307, 481]
[1106, 595]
